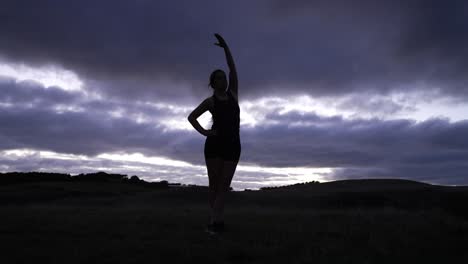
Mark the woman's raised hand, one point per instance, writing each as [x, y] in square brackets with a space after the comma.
[221, 41]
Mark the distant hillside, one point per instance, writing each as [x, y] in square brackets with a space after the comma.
[358, 185]
[371, 193]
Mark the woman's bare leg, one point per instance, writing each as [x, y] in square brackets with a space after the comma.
[214, 169]
[228, 170]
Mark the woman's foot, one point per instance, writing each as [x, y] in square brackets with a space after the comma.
[215, 228]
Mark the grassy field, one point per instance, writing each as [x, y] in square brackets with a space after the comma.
[341, 222]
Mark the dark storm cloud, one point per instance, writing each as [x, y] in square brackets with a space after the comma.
[435, 150]
[398, 41]
[34, 122]
[437, 41]
[368, 103]
[32, 92]
[439, 30]
[126, 42]
[90, 134]
[319, 47]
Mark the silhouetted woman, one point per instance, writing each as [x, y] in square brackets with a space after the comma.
[222, 145]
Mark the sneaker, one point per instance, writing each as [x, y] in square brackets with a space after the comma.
[209, 228]
[219, 226]
[215, 228]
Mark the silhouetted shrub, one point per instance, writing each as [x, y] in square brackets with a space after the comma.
[100, 177]
[161, 184]
[134, 179]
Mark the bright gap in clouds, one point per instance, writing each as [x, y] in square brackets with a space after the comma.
[138, 157]
[417, 106]
[453, 111]
[46, 75]
[411, 105]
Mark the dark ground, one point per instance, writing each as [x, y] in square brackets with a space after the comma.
[362, 221]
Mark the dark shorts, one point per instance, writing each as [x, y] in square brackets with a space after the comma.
[227, 149]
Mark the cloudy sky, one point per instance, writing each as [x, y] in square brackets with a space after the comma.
[328, 89]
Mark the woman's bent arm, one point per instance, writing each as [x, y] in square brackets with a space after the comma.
[192, 118]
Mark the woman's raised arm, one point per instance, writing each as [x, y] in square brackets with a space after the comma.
[230, 61]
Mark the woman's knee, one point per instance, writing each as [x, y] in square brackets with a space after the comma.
[214, 170]
[229, 169]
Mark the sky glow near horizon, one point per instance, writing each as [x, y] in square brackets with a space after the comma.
[148, 168]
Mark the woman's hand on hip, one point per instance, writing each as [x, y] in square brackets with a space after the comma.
[210, 132]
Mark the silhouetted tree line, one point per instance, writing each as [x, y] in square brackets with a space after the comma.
[25, 177]
[22, 177]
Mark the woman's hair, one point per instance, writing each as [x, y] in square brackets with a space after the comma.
[213, 75]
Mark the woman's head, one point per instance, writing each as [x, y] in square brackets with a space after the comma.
[218, 80]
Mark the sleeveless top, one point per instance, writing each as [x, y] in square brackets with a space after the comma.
[226, 117]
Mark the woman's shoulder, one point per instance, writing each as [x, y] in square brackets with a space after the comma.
[209, 102]
[234, 95]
